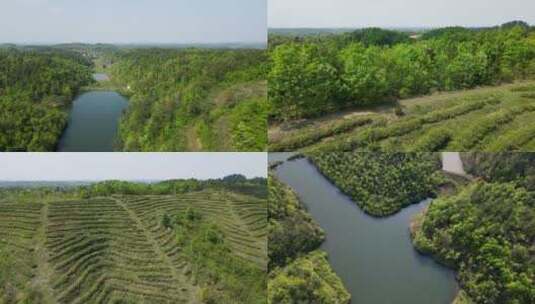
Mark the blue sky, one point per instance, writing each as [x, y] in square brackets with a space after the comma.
[397, 13]
[133, 21]
[128, 166]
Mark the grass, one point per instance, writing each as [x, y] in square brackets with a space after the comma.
[484, 119]
[109, 249]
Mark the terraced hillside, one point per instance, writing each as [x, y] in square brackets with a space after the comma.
[486, 119]
[117, 249]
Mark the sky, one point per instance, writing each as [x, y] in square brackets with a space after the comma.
[133, 21]
[128, 166]
[397, 13]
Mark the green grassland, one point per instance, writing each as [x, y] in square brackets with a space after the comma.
[484, 119]
[125, 248]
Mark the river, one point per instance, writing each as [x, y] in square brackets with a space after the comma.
[93, 121]
[374, 257]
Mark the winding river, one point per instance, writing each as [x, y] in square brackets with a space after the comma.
[374, 257]
[93, 121]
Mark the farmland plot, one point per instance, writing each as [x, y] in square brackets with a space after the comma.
[117, 250]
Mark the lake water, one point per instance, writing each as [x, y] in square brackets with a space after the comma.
[374, 257]
[93, 122]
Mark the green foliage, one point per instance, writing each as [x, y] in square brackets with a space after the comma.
[175, 90]
[487, 233]
[314, 135]
[35, 90]
[386, 182]
[249, 125]
[378, 36]
[255, 186]
[435, 140]
[302, 81]
[308, 279]
[317, 75]
[478, 130]
[7, 273]
[502, 167]
[224, 277]
[291, 229]
[486, 119]
[297, 273]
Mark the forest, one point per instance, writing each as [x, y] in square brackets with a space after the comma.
[386, 182]
[36, 90]
[180, 99]
[486, 230]
[297, 271]
[315, 75]
[140, 243]
[192, 99]
[448, 89]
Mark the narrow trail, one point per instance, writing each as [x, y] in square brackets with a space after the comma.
[44, 271]
[185, 285]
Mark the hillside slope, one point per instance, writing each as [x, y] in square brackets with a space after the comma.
[118, 249]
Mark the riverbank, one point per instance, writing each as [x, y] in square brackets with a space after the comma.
[373, 256]
[93, 122]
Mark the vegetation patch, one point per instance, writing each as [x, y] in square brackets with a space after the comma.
[484, 119]
[36, 90]
[116, 242]
[486, 233]
[317, 74]
[224, 276]
[173, 91]
[396, 78]
[298, 272]
[308, 279]
[381, 183]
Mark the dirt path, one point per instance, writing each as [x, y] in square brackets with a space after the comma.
[41, 281]
[185, 286]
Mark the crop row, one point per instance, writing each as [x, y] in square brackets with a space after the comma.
[370, 136]
[98, 251]
[314, 135]
[19, 224]
[222, 211]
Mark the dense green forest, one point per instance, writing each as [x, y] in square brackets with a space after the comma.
[181, 99]
[486, 231]
[298, 272]
[36, 89]
[180, 241]
[193, 99]
[317, 74]
[237, 183]
[380, 183]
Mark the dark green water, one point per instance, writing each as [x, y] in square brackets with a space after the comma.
[374, 257]
[93, 122]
